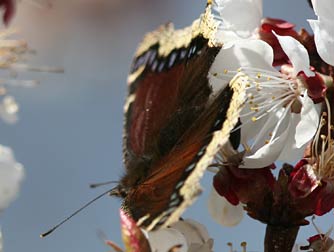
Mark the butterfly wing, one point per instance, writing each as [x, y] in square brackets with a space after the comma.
[168, 88]
[173, 182]
[173, 124]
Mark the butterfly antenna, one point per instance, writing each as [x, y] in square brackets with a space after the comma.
[114, 191]
[103, 183]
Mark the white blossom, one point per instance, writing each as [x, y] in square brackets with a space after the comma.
[11, 176]
[187, 235]
[278, 119]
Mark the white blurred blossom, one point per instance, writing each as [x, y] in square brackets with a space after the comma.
[12, 53]
[13, 56]
[11, 176]
[9, 109]
[1, 242]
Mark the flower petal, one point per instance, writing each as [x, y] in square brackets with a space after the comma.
[303, 181]
[258, 130]
[324, 39]
[192, 230]
[325, 199]
[297, 54]
[244, 53]
[196, 234]
[187, 235]
[267, 153]
[164, 239]
[295, 131]
[222, 211]
[302, 129]
[308, 122]
[282, 28]
[323, 8]
[230, 11]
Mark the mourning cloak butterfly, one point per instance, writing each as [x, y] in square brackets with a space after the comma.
[174, 125]
[175, 122]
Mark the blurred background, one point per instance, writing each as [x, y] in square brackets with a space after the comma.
[70, 129]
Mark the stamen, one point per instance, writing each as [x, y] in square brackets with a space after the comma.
[329, 119]
[230, 245]
[267, 91]
[315, 143]
[265, 112]
[244, 246]
[262, 131]
[323, 146]
[246, 147]
[324, 162]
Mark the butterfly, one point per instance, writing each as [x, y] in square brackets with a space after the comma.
[175, 122]
[174, 125]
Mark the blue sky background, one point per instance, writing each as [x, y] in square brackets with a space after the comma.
[70, 129]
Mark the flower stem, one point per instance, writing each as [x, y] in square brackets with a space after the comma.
[279, 238]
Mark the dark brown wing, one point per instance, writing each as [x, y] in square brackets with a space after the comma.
[168, 89]
[172, 183]
[173, 127]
